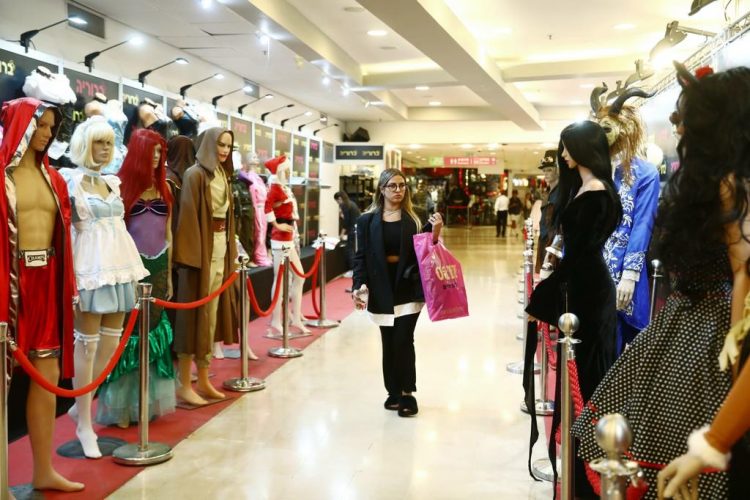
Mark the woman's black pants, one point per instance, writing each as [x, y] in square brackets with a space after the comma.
[399, 359]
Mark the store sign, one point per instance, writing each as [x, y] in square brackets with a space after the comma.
[86, 85]
[14, 68]
[135, 96]
[469, 161]
[359, 152]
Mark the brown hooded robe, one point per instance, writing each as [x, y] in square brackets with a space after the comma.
[193, 245]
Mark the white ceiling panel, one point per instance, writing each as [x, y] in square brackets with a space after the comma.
[446, 96]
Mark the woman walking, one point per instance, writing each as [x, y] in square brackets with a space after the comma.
[386, 273]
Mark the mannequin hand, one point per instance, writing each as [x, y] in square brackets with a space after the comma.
[359, 303]
[287, 228]
[625, 293]
[679, 479]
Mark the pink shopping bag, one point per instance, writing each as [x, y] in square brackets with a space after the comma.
[442, 279]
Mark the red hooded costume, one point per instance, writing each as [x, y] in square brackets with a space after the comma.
[19, 118]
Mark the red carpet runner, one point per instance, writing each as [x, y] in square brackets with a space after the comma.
[103, 476]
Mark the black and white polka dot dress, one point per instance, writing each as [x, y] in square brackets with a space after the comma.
[668, 383]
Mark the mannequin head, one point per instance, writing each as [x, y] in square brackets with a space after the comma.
[180, 154]
[92, 144]
[625, 134]
[714, 147]
[143, 167]
[223, 147]
[549, 168]
[214, 149]
[251, 162]
[44, 133]
[93, 108]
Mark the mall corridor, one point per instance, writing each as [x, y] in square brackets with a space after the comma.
[320, 432]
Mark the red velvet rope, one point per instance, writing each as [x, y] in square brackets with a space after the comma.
[313, 269]
[277, 292]
[316, 306]
[197, 303]
[37, 377]
[575, 393]
[551, 354]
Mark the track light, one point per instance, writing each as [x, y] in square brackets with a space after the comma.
[698, 5]
[240, 108]
[143, 74]
[184, 88]
[263, 116]
[317, 120]
[673, 36]
[248, 89]
[643, 70]
[329, 126]
[88, 59]
[306, 113]
[26, 36]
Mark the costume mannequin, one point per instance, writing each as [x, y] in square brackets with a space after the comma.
[205, 252]
[637, 183]
[107, 264]
[546, 231]
[35, 215]
[244, 209]
[112, 111]
[259, 193]
[281, 212]
[150, 115]
[186, 118]
[147, 201]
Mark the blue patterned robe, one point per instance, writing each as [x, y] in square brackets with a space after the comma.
[625, 251]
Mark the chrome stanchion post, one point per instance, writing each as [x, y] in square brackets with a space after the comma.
[528, 266]
[614, 436]
[4, 482]
[244, 383]
[658, 274]
[143, 452]
[568, 324]
[285, 351]
[322, 321]
[544, 407]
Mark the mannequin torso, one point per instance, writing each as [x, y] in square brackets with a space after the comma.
[36, 205]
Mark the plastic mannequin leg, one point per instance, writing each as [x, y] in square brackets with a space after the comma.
[185, 390]
[276, 314]
[84, 355]
[295, 292]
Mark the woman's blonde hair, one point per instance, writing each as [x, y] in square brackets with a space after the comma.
[378, 201]
[93, 129]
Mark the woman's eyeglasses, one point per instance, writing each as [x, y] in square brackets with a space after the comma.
[396, 187]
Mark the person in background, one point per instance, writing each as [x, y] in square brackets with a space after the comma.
[387, 282]
[515, 209]
[501, 211]
[528, 202]
[349, 215]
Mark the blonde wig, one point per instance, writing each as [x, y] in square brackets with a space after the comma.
[93, 129]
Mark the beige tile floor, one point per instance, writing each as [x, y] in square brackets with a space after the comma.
[319, 430]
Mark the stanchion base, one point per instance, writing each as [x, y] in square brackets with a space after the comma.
[280, 352]
[278, 336]
[131, 454]
[517, 368]
[542, 408]
[542, 469]
[248, 384]
[322, 323]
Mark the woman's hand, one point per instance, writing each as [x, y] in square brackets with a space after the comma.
[287, 228]
[679, 479]
[437, 225]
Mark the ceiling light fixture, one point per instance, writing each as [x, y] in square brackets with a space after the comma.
[421, 88]
[467, 146]
[345, 91]
[285, 120]
[317, 120]
[267, 96]
[698, 5]
[264, 115]
[143, 74]
[415, 146]
[623, 26]
[207, 4]
[435, 103]
[326, 80]
[88, 59]
[643, 70]
[26, 36]
[587, 85]
[377, 33]
[329, 126]
[248, 89]
[184, 88]
[672, 37]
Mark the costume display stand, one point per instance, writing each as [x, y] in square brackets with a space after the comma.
[614, 436]
[244, 383]
[143, 452]
[528, 269]
[285, 351]
[568, 325]
[657, 276]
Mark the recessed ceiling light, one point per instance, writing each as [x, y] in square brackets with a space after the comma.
[421, 88]
[308, 113]
[492, 145]
[376, 103]
[415, 146]
[345, 91]
[377, 32]
[624, 26]
[206, 4]
[587, 85]
[326, 80]
[387, 47]
[435, 103]
[467, 146]
[354, 9]
[536, 152]
[576, 103]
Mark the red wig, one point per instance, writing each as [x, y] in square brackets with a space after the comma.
[137, 173]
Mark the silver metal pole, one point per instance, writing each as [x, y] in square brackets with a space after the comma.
[614, 436]
[285, 351]
[270, 334]
[658, 274]
[4, 482]
[322, 321]
[544, 406]
[144, 452]
[356, 240]
[244, 383]
[568, 324]
[528, 269]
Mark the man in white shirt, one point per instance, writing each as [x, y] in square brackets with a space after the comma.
[501, 210]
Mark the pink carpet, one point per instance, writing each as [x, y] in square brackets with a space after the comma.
[102, 477]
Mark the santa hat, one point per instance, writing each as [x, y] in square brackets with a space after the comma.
[273, 164]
